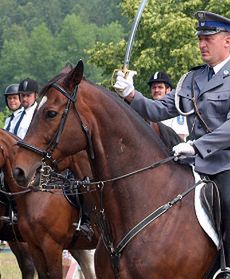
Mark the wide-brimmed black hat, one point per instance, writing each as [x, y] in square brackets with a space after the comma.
[28, 85]
[211, 23]
[160, 77]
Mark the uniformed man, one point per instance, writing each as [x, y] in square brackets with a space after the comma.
[161, 84]
[13, 102]
[28, 89]
[208, 116]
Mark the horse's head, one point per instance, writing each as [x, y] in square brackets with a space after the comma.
[8, 143]
[56, 112]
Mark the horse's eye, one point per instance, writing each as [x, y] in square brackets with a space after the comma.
[51, 113]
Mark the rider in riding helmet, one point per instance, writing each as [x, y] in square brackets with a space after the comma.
[13, 102]
[160, 84]
[28, 89]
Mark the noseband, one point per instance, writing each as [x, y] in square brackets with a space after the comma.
[47, 154]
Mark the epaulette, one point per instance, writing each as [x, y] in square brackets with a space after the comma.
[197, 67]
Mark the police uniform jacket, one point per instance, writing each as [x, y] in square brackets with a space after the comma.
[213, 102]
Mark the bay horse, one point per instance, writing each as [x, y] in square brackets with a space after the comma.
[9, 233]
[135, 178]
[45, 220]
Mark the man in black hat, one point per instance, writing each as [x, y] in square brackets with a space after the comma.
[28, 89]
[161, 84]
[203, 95]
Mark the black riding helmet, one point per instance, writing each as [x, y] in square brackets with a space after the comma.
[28, 85]
[160, 77]
[11, 90]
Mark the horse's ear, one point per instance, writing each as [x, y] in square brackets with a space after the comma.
[76, 74]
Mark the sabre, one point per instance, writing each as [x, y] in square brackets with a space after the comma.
[131, 39]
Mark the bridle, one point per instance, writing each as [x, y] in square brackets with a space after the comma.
[114, 251]
[47, 154]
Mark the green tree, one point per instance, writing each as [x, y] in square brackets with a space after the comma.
[76, 37]
[3, 115]
[165, 39]
[43, 59]
[99, 12]
[38, 37]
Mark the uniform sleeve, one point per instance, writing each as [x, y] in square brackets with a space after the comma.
[217, 140]
[155, 110]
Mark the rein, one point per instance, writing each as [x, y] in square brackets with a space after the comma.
[9, 194]
[115, 252]
[47, 171]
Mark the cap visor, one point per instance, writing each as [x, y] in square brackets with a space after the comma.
[206, 32]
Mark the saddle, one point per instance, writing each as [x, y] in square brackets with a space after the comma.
[69, 191]
[210, 201]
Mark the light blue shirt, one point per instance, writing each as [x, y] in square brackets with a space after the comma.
[16, 114]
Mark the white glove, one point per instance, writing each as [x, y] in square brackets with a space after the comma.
[124, 83]
[184, 148]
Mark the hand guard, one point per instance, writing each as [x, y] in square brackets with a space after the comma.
[184, 148]
[124, 83]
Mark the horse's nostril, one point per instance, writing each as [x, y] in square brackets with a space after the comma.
[18, 172]
[19, 175]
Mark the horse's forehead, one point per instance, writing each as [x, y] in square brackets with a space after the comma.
[52, 95]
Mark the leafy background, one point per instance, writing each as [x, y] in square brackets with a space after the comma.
[37, 38]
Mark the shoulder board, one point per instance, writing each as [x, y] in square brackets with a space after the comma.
[197, 67]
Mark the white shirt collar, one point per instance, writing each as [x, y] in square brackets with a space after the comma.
[18, 111]
[31, 107]
[220, 65]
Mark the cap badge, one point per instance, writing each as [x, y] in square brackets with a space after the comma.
[226, 73]
[180, 119]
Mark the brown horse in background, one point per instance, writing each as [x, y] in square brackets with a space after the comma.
[45, 219]
[10, 233]
[134, 176]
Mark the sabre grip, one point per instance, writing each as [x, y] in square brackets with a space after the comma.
[124, 83]
[127, 73]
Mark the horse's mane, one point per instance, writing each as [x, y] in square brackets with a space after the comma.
[164, 139]
[48, 84]
[168, 136]
[167, 139]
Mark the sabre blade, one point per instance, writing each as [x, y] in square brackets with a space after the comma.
[132, 35]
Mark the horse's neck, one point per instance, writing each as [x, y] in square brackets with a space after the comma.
[123, 145]
[6, 145]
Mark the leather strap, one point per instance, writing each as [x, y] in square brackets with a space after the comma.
[205, 126]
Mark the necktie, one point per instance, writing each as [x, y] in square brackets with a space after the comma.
[9, 124]
[19, 121]
[210, 73]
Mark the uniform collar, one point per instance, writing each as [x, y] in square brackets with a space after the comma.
[220, 65]
[218, 79]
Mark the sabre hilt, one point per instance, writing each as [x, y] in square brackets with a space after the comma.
[125, 70]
